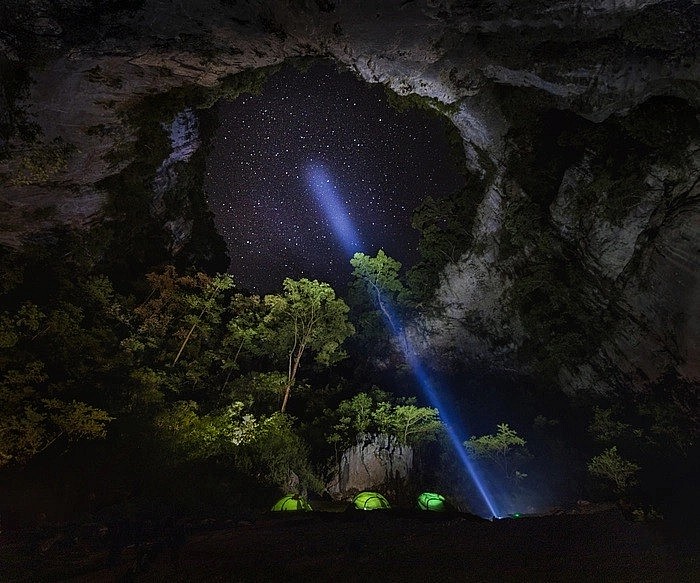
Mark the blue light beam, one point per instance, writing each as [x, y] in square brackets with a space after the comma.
[333, 207]
[326, 196]
[431, 394]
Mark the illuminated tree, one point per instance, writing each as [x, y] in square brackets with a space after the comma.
[377, 297]
[376, 413]
[306, 317]
[378, 279]
[611, 467]
[500, 448]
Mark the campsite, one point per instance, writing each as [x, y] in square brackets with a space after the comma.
[311, 290]
[359, 546]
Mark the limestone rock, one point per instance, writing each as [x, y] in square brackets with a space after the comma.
[376, 461]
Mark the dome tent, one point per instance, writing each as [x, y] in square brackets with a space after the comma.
[291, 502]
[432, 501]
[370, 501]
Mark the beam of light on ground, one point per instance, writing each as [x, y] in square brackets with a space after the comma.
[327, 197]
[333, 207]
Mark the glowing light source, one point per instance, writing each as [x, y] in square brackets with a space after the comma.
[327, 197]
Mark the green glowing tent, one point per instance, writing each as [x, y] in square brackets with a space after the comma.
[291, 502]
[370, 501]
[432, 501]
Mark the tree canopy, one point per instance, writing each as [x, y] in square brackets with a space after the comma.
[306, 317]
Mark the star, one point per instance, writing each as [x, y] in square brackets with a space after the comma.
[380, 163]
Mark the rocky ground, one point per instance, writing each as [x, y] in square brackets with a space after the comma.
[364, 546]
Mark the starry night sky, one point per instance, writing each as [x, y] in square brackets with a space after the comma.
[375, 164]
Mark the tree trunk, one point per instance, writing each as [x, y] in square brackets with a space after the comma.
[292, 375]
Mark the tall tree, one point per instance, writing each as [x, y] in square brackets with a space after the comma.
[378, 301]
[500, 448]
[175, 333]
[306, 317]
[378, 279]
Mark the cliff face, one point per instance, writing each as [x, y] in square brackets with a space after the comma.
[586, 222]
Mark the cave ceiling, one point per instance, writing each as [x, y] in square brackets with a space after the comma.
[493, 67]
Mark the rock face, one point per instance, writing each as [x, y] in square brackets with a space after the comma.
[184, 142]
[375, 462]
[75, 69]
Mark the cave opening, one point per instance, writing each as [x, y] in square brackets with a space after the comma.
[141, 426]
[311, 128]
[319, 166]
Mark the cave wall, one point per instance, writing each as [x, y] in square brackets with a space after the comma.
[76, 76]
[374, 463]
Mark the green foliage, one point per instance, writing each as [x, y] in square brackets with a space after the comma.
[54, 358]
[279, 456]
[306, 317]
[613, 469]
[378, 278]
[265, 447]
[378, 300]
[262, 389]
[445, 226]
[42, 162]
[445, 223]
[605, 428]
[191, 436]
[668, 416]
[412, 101]
[552, 294]
[375, 413]
[30, 425]
[500, 448]
[412, 424]
[30, 422]
[174, 335]
[355, 416]
[244, 329]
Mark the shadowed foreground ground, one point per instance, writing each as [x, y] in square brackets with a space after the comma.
[368, 547]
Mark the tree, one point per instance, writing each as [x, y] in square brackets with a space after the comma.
[192, 436]
[614, 469]
[307, 316]
[500, 448]
[266, 447]
[445, 226]
[39, 382]
[375, 413]
[243, 332]
[378, 279]
[410, 423]
[209, 307]
[175, 335]
[378, 303]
